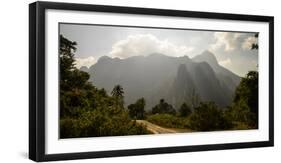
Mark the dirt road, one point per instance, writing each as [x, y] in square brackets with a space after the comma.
[155, 129]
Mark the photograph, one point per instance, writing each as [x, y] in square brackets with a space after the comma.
[112, 81]
[129, 80]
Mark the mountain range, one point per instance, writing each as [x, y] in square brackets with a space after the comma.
[175, 79]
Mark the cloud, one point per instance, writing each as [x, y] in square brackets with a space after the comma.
[145, 44]
[89, 61]
[228, 41]
[225, 63]
[247, 44]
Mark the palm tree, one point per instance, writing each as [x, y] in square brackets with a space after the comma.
[117, 93]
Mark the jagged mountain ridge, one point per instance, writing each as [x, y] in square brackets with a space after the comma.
[159, 76]
[223, 74]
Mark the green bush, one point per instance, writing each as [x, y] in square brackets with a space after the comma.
[69, 128]
[100, 123]
[185, 110]
[245, 107]
[208, 117]
[163, 108]
[136, 110]
[86, 111]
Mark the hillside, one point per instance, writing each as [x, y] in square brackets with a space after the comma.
[176, 79]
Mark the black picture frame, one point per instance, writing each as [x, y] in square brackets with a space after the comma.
[37, 80]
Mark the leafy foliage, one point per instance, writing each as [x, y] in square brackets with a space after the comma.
[208, 117]
[86, 111]
[248, 91]
[100, 123]
[245, 104]
[118, 94]
[136, 110]
[255, 45]
[163, 107]
[185, 110]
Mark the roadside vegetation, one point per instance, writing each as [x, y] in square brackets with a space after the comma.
[86, 111]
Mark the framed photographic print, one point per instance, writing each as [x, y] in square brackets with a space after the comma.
[111, 81]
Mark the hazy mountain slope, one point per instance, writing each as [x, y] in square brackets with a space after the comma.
[208, 85]
[228, 78]
[182, 87]
[158, 76]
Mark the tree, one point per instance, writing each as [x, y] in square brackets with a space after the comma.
[248, 90]
[208, 117]
[86, 111]
[255, 45]
[78, 79]
[66, 54]
[240, 112]
[184, 110]
[246, 100]
[72, 81]
[163, 107]
[136, 110]
[118, 93]
[245, 104]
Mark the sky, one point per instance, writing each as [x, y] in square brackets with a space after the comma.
[232, 49]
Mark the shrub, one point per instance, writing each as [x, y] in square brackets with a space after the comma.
[100, 122]
[207, 117]
[163, 108]
[185, 110]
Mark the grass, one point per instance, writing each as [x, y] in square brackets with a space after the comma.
[169, 121]
[181, 124]
[241, 126]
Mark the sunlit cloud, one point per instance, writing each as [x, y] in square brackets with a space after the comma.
[228, 41]
[145, 44]
[248, 42]
[89, 61]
